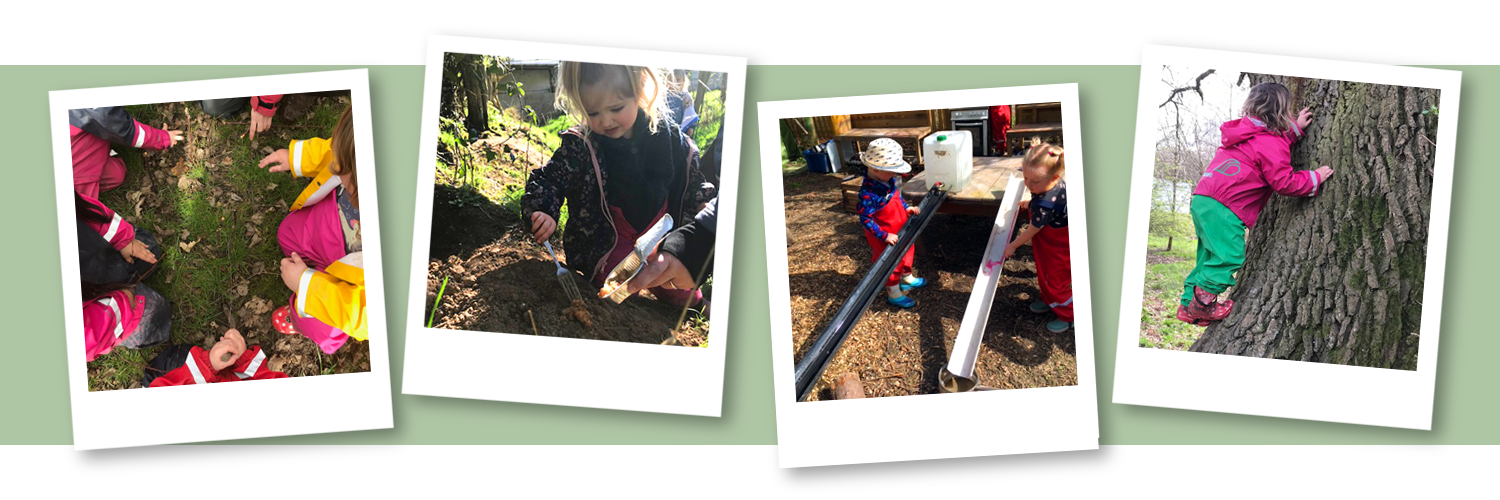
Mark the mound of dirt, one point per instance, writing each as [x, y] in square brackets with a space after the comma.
[897, 352]
[508, 285]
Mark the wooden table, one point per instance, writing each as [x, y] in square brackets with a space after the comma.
[980, 197]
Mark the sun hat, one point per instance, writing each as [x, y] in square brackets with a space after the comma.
[884, 154]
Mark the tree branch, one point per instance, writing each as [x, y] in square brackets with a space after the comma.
[1196, 87]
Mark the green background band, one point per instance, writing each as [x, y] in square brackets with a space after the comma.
[35, 408]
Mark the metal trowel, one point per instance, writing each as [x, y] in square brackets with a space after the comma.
[614, 283]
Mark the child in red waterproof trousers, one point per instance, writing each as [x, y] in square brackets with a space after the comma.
[1254, 160]
[883, 212]
[1047, 231]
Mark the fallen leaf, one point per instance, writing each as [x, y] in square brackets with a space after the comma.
[267, 150]
[186, 183]
[257, 218]
[226, 161]
[181, 168]
[271, 186]
[242, 289]
[188, 246]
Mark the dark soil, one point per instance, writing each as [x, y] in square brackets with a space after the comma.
[500, 281]
[898, 352]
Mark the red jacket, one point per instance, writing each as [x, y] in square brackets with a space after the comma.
[1250, 164]
[265, 104]
[197, 369]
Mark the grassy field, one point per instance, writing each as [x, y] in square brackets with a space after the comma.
[1165, 271]
[216, 214]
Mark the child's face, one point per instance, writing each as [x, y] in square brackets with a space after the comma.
[223, 354]
[881, 175]
[610, 114]
[1037, 179]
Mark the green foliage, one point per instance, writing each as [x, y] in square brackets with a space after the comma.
[1431, 111]
[710, 118]
[1168, 224]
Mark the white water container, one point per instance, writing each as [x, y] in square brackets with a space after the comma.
[949, 157]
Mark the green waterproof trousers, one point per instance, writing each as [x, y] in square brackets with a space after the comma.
[1221, 247]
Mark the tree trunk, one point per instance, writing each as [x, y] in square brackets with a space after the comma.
[475, 97]
[1338, 278]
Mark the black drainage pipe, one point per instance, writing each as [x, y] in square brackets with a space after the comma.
[812, 364]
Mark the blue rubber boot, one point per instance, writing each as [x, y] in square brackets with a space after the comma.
[1039, 307]
[904, 302]
[1058, 326]
[919, 283]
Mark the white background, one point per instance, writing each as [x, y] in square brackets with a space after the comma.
[767, 32]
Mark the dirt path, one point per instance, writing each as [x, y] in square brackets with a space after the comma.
[900, 352]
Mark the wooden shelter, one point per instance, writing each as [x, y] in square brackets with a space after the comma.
[1034, 122]
[852, 132]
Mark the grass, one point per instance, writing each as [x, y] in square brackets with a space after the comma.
[710, 118]
[1160, 328]
[231, 200]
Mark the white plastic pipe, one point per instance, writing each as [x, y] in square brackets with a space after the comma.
[959, 375]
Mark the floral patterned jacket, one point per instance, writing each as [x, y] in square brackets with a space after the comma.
[577, 174]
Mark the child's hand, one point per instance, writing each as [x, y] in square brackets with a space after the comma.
[1009, 250]
[1025, 204]
[890, 239]
[137, 250]
[914, 210]
[175, 134]
[258, 123]
[542, 226]
[1304, 117]
[1324, 173]
[279, 161]
[291, 271]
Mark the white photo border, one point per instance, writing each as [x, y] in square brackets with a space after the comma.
[1270, 387]
[598, 374]
[336, 403]
[1016, 421]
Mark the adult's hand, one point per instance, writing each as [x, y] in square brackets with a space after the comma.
[280, 161]
[662, 270]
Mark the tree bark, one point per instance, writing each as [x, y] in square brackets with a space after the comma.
[1337, 278]
[476, 96]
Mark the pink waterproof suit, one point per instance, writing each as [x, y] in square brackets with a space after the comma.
[92, 131]
[108, 320]
[1251, 163]
[118, 232]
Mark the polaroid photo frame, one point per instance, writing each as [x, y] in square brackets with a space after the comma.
[840, 432]
[1271, 387]
[326, 403]
[521, 367]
